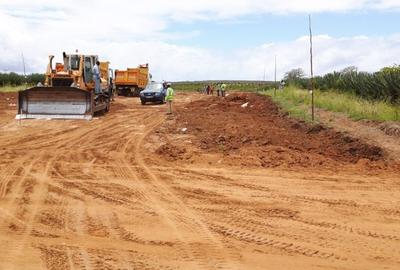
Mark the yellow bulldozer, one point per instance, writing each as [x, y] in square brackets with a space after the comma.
[68, 91]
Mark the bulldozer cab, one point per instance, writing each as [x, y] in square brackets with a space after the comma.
[71, 62]
[89, 62]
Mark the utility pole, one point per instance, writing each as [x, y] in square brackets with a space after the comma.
[312, 69]
[264, 72]
[23, 63]
[275, 78]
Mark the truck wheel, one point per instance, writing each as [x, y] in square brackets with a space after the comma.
[132, 92]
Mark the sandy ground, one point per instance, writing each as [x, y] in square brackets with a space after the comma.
[104, 195]
[386, 135]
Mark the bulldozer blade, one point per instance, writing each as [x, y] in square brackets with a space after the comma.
[55, 103]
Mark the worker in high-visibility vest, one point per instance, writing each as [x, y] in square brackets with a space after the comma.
[223, 89]
[169, 97]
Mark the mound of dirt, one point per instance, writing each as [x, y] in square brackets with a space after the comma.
[7, 101]
[253, 127]
[172, 152]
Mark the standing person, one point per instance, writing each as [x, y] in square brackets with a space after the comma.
[218, 89]
[282, 85]
[96, 78]
[169, 97]
[223, 89]
[208, 89]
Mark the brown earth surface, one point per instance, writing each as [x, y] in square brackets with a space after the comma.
[250, 130]
[7, 101]
[216, 186]
[385, 135]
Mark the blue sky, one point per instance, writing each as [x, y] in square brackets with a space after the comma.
[251, 31]
[203, 39]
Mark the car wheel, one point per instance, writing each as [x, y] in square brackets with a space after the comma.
[143, 102]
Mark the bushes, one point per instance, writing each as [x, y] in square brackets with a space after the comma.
[383, 85]
[14, 79]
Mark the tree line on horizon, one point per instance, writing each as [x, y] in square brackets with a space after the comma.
[15, 79]
[381, 85]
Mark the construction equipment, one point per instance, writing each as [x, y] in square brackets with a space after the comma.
[131, 81]
[68, 90]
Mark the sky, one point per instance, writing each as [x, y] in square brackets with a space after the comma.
[204, 39]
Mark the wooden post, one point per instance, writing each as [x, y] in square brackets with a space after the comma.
[23, 64]
[312, 70]
[275, 78]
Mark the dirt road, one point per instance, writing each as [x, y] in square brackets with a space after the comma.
[103, 195]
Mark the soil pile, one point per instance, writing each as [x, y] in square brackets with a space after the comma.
[7, 101]
[253, 126]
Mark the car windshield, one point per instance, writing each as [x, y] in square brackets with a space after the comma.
[155, 87]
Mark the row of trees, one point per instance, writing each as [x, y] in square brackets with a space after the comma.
[380, 85]
[15, 79]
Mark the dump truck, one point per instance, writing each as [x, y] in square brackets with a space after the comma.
[131, 81]
[68, 90]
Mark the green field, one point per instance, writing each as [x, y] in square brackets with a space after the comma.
[12, 88]
[232, 86]
[298, 102]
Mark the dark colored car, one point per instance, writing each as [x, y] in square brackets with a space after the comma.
[154, 92]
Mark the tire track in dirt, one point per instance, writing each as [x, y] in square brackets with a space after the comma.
[8, 210]
[42, 178]
[176, 208]
[240, 221]
[127, 174]
[37, 198]
[93, 191]
[227, 218]
[328, 237]
[287, 246]
[9, 173]
[82, 258]
[246, 223]
[16, 191]
[150, 201]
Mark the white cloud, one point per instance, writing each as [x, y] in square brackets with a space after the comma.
[131, 32]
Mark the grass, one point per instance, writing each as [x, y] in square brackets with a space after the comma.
[232, 86]
[8, 88]
[297, 103]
